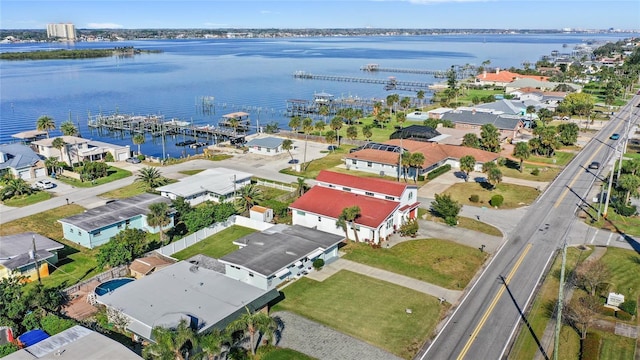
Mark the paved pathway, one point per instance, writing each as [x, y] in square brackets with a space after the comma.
[451, 296]
[324, 343]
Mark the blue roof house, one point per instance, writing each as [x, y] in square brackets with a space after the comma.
[265, 145]
[21, 161]
[97, 226]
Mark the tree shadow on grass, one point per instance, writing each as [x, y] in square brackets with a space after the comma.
[511, 164]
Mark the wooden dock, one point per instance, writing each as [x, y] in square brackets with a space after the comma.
[390, 84]
[377, 68]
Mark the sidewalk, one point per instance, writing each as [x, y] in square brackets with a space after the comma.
[451, 296]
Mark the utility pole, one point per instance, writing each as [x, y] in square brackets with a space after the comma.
[556, 344]
[606, 203]
[34, 256]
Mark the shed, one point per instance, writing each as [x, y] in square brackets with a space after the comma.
[261, 213]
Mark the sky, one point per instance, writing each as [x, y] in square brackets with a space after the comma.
[414, 14]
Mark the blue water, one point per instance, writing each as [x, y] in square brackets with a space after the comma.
[108, 286]
[252, 75]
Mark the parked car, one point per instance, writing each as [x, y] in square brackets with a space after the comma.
[594, 165]
[615, 136]
[332, 147]
[133, 160]
[44, 184]
[294, 161]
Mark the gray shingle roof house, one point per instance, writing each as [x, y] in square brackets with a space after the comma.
[97, 226]
[205, 298]
[267, 258]
[76, 343]
[509, 125]
[15, 254]
[21, 161]
[265, 145]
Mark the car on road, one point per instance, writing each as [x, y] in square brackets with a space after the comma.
[594, 165]
[332, 147]
[44, 184]
[294, 161]
[615, 136]
[133, 160]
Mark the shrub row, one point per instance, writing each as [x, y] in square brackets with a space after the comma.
[439, 171]
[590, 347]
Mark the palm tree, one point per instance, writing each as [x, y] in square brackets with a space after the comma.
[330, 137]
[171, 344]
[366, 132]
[324, 111]
[248, 197]
[60, 144]
[138, 139]
[319, 126]
[352, 132]
[301, 187]
[151, 176]
[405, 102]
[400, 118]
[405, 163]
[494, 175]
[294, 123]
[68, 129]
[522, 152]
[630, 184]
[158, 216]
[349, 215]
[336, 124]
[234, 123]
[416, 161]
[287, 145]
[50, 163]
[211, 344]
[15, 187]
[45, 123]
[256, 323]
[467, 164]
[420, 96]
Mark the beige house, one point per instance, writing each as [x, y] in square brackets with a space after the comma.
[77, 149]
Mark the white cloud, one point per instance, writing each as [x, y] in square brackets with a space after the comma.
[103, 26]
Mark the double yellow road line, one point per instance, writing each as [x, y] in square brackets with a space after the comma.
[493, 304]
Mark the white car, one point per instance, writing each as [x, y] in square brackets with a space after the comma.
[44, 184]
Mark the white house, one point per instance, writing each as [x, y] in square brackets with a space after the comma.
[265, 145]
[266, 259]
[384, 205]
[78, 149]
[218, 185]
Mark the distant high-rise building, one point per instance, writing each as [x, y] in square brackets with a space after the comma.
[66, 31]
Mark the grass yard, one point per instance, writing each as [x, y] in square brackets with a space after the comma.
[475, 225]
[514, 195]
[76, 263]
[217, 245]
[271, 353]
[191, 172]
[624, 265]
[136, 188]
[30, 199]
[525, 347]
[114, 174]
[368, 309]
[441, 262]
[561, 158]
[546, 173]
[615, 347]
[628, 225]
[311, 169]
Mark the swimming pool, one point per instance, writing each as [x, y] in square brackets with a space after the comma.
[108, 286]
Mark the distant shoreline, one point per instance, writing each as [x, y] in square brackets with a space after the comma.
[73, 54]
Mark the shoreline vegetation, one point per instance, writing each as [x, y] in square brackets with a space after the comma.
[75, 54]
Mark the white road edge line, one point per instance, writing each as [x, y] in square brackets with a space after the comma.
[609, 239]
[594, 237]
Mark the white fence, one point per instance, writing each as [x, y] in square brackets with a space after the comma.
[275, 185]
[253, 224]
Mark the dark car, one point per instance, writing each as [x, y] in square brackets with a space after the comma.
[594, 165]
[133, 160]
[332, 147]
[294, 161]
[615, 136]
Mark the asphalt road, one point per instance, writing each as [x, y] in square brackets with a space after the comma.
[484, 323]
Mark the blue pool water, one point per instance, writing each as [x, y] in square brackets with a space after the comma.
[108, 286]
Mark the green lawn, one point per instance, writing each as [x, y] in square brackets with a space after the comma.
[614, 222]
[191, 172]
[368, 309]
[440, 262]
[312, 168]
[76, 262]
[624, 266]
[561, 158]
[217, 245]
[525, 347]
[114, 174]
[514, 195]
[136, 188]
[475, 225]
[546, 173]
[30, 199]
[615, 347]
[265, 353]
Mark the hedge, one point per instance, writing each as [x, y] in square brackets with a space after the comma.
[439, 171]
[590, 347]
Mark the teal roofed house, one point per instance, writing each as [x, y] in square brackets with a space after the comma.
[265, 145]
[97, 226]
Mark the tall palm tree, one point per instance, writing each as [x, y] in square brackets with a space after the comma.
[138, 139]
[210, 344]
[347, 219]
[68, 129]
[45, 123]
[405, 102]
[405, 163]
[61, 145]
[319, 126]
[50, 163]
[294, 123]
[151, 177]
[416, 161]
[420, 96]
[522, 152]
[171, 344]
[256, 323]
[158, 216]
[336, 124]
[287, 145]
[324, 111]
[247, 198]
[467, 164]
[301, 187]
[330, 137]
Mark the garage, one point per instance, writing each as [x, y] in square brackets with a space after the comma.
[41, 172]
[24, 174]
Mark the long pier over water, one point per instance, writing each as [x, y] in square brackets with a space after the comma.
[390, 84]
